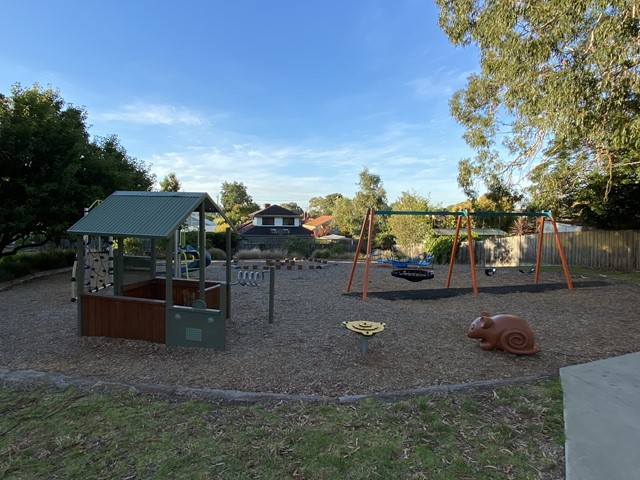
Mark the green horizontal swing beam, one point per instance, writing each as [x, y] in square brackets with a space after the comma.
[463, 213]
[510, 214]
[411, 212]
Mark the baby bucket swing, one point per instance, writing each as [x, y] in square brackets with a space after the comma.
[494, 252]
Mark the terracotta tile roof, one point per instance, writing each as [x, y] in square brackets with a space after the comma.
[314, 222]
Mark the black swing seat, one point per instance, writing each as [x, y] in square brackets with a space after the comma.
[528, 271]
[413, 274]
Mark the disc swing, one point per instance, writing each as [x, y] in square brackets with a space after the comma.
[413, 269]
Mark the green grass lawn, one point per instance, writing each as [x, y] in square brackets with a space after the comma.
[592, 272]
[597, 272]
[509, 432]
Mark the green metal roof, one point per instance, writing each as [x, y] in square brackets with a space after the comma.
[143, 214]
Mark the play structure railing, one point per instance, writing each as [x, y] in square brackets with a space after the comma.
[185, 292]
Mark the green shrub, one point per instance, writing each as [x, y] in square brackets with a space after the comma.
[219, 240]
[22, 264]
[133, 246]
[52, 259]
[217, 254]
[296, 246]
[14, 267]
[212, 240]
[256, 253]
[398, 253]
[440, 248]
[321, 253]
[337, 250]
[385, 241]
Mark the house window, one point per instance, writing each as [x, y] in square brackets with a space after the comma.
[286, 231]
[273, 231]
[268, 221]
[288, 221]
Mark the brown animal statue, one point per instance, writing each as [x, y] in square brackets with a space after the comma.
[506, 332]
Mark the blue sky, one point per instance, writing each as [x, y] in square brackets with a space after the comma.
[293, 98]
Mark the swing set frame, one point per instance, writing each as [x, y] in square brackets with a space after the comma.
[367, 226]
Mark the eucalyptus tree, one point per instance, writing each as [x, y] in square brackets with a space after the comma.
[559, 85]
[410, 230]
[170, 183]
[236, 201]
[371, 192]
[323, 205]
[293, 206]
[348, 214]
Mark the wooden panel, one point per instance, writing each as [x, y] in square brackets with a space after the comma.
[143, 289]
[123, 317]
[140, 314]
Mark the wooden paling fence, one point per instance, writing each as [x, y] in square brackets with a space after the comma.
[607, 249]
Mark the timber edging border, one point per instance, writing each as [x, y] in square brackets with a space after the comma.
[33, 379]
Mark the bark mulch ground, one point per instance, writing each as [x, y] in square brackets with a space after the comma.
[307, 350]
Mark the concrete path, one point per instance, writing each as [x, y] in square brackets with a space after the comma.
[602, 419]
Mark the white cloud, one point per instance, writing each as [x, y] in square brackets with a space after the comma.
[153, 114]
[408, 155]
[423, 87]
[441, 84]
[295, 173]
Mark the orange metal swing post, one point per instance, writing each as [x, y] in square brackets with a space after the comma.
[355, 257]
[472, 256]
[539, 249]
[367, 258]
[563, 260]
[453, 250]
[472, 259]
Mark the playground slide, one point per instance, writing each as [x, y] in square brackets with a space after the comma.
[195, 263]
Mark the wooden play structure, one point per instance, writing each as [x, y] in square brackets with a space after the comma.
[156, 308]
[367, 231]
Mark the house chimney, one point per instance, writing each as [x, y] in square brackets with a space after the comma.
[267, 205]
